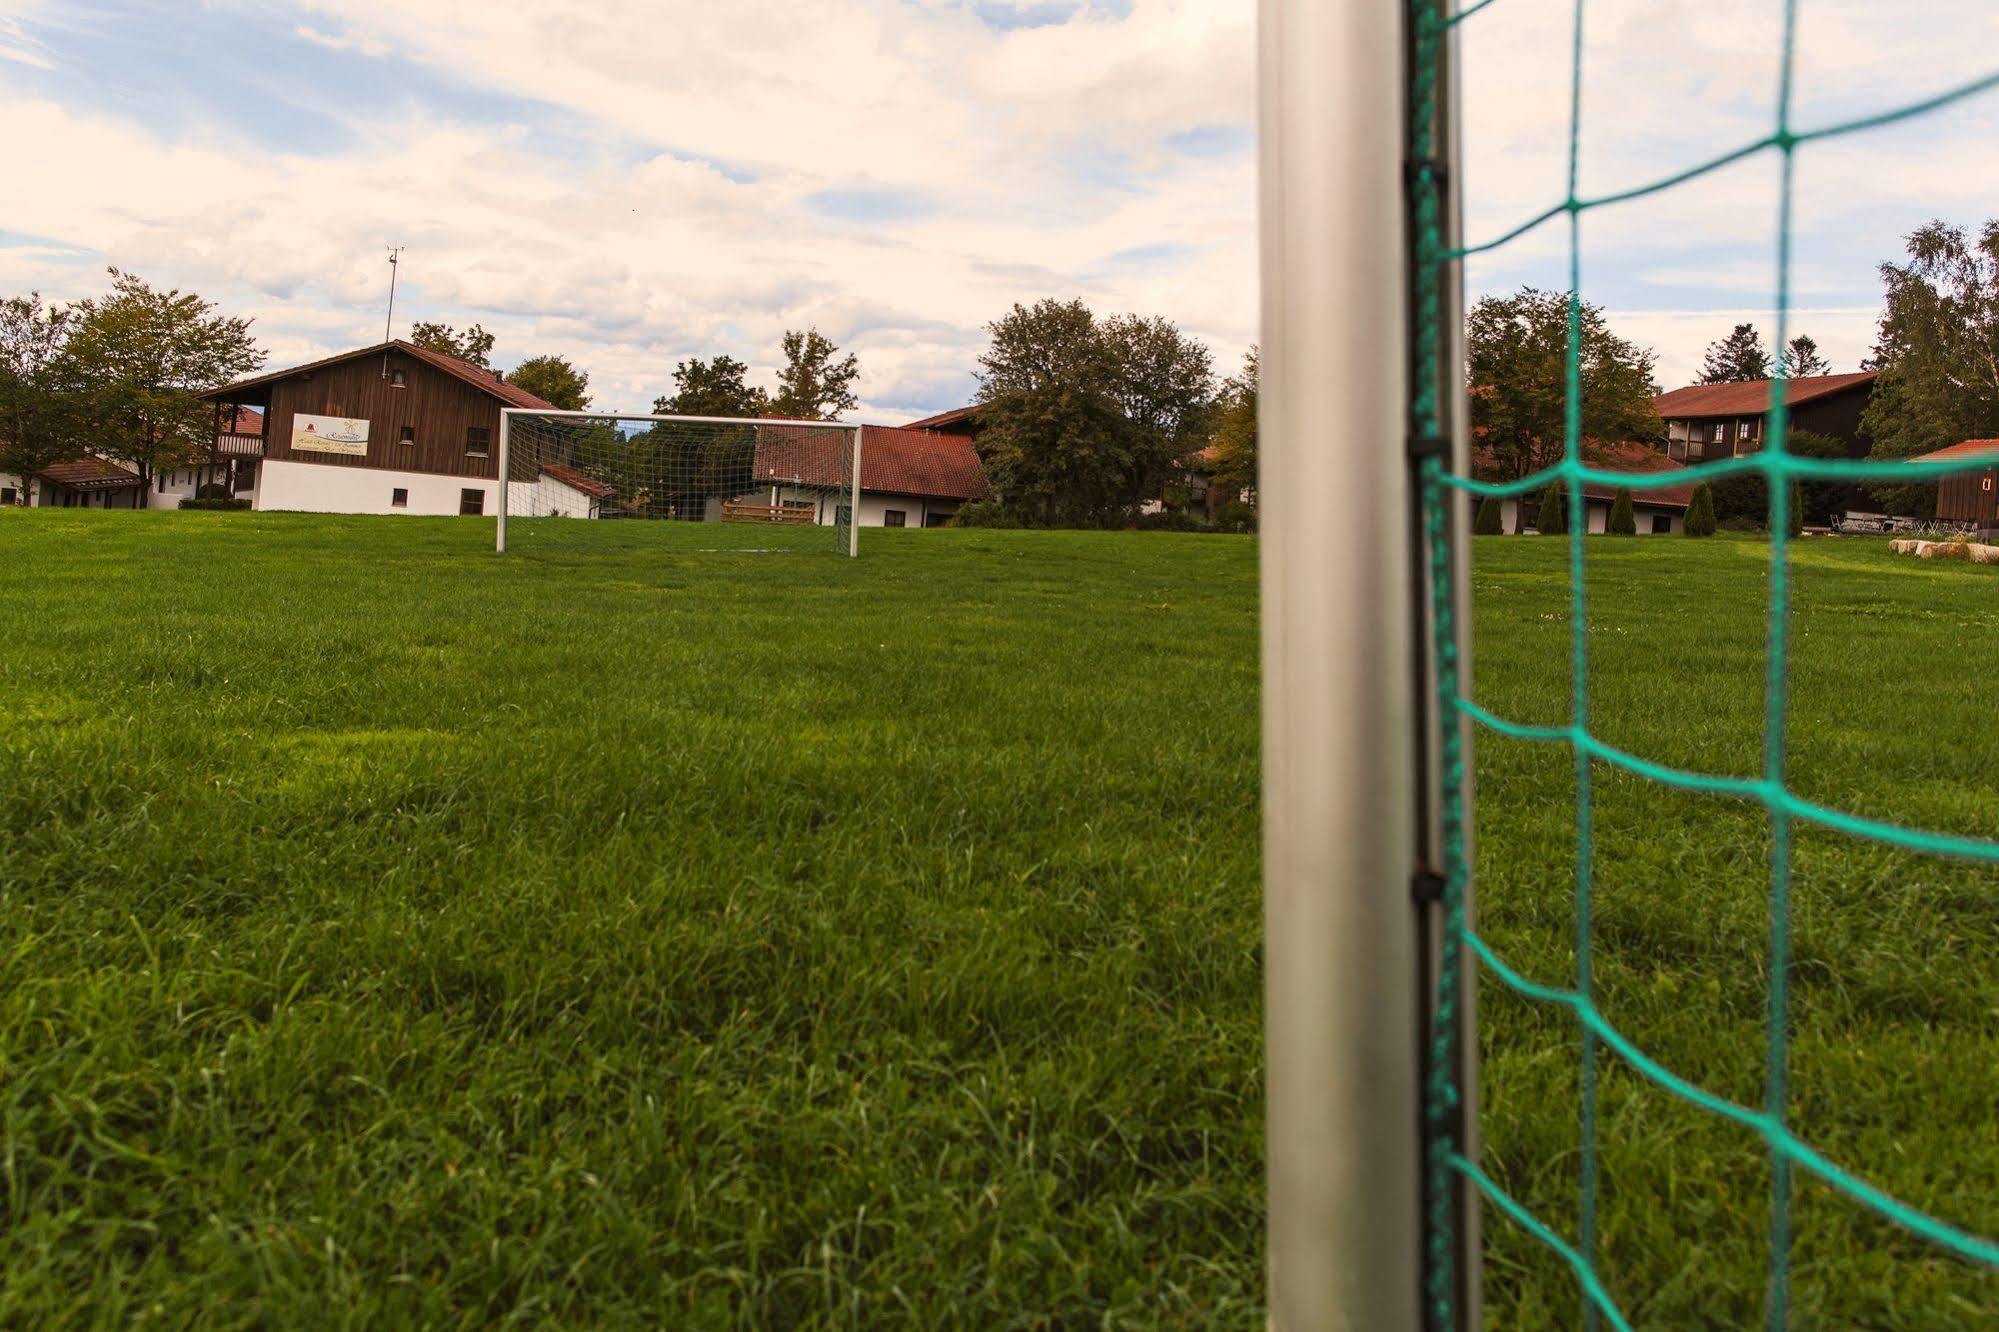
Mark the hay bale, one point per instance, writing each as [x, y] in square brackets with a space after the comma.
[1984, 554]
[1902, 547]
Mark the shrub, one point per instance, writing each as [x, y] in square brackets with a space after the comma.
[1796, 525]
[1553, 517]
[1489, 521]
[212, 502]
[986, 513]
[1739, 523]
[1171, 520]
[1235, 516]
[213, 490]
[1623, 519]
[1700, 512]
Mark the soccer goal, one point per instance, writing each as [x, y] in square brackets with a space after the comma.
[730, 483]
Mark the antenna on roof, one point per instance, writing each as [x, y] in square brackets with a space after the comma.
[388, 324]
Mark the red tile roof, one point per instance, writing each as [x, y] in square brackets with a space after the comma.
[1752, 398]
[581, 482]
[1968, 448]
[482, 379]
[893, 462]
[90, 473]
[243, 421]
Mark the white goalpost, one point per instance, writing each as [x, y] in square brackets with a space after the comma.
[754, 484]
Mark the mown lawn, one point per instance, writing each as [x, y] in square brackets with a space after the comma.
[616, 934]
[625, 934]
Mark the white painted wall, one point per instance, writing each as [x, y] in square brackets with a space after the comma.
[8, 481]
[322, 488]
[875, 505]
[1599, 516]
[548, 497]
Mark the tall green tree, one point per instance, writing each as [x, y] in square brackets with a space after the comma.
[1800, 358]
[135, 360]
[475, 344]
[699, 464]
[1517, 350]
[815, 382]
[1937, 348]
[554, 380]
[1162, 385]
[1232, 446]
[716, 387]
[1737, 358]
[38, 420]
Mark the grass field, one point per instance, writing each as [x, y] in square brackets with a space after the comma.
[617, 934]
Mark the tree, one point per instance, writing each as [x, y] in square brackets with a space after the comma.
[1163, 386]
[1552, 519]
[554, 380]
[38, 425]
[1232, 441]
[1490, 521]
[813, 386]
[1623, 518]
[1937, 348]
[1800, 358]
[702, 464]
[1700, 513]
[1053, 443]
[135, 360]
[1517, 353]
[472, 345]
[1737, 358]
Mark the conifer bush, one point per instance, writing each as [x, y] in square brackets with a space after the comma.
[1488, 523]
[1623, 519]
[1553, 517]
[1700, 512]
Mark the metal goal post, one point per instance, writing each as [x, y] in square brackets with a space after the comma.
[1352, 753]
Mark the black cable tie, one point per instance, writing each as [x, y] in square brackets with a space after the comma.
[1423, 446]
[1426, 887]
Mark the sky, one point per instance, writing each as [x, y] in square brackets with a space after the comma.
[634, 182]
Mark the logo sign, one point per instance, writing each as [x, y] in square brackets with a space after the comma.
[329, 434]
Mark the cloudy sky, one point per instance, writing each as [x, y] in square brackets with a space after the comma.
[635, 181]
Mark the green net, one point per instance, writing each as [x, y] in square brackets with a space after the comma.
[1434, 262]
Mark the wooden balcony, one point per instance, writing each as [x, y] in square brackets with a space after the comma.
[239, 446]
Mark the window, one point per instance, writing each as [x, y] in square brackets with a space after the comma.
[1676, 448]
[1661, 523]
[409, 436]
[842, 515]
[1720, 432]
[246, 475]
[163, 483]
[399, 498]
[397, 379]
[7, 493]
[894, 518]
[471, 502]
[476, 439]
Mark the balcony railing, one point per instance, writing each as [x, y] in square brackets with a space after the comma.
[240, 446]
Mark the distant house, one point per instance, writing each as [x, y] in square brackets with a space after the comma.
[1968, 497]
[89, 482]
[1705, 422]
[909, 477]
[1659, 511]
[392, 428]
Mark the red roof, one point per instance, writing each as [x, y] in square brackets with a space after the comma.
[965, 416]
[243, 421]
[581, 482]
[1752, 398]
[893, 462]
[90, 473]
[487, 381]
[1970, 448]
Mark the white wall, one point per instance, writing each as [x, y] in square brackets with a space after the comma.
[322, 488]
[875, 506]
[8, 481]
[1599, 516]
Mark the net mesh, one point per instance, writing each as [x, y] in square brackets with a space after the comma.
[1434, 261]
[750, 484]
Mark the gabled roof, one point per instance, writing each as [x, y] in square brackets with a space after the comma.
[966, 416]
[486, 381]
[1752, 397]
[1969, 448]
[893, 462]
[581, 482]
[243, 421]
[90, 473]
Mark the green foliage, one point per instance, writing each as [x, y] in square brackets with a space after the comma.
[716, 387]
[1491, 517]
[1820, 501]
[1084, 418]
[1937, 348]
[1235, 516]
[812, 385]
[1736, 359]
[554, 380]
[212, 490]
[1700, 512]
[986, 513]
[39, 423]
[1552, 518]
[133, 363]
[475, 344]
[1800, 358]
[1517, 349]
[1232, 445]
[303, 994]
[213, 502]
[1623, 519]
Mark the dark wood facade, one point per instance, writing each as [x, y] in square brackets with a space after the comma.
[1970, 497]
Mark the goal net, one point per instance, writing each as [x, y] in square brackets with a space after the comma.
[722, 483]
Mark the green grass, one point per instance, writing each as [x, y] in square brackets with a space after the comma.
[619, 934]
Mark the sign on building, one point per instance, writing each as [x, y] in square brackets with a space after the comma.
[329, 434]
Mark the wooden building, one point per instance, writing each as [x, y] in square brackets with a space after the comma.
[1705, 422]
[1969, 497]
[392, 428]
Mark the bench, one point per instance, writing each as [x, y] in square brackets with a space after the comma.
[790, 512]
